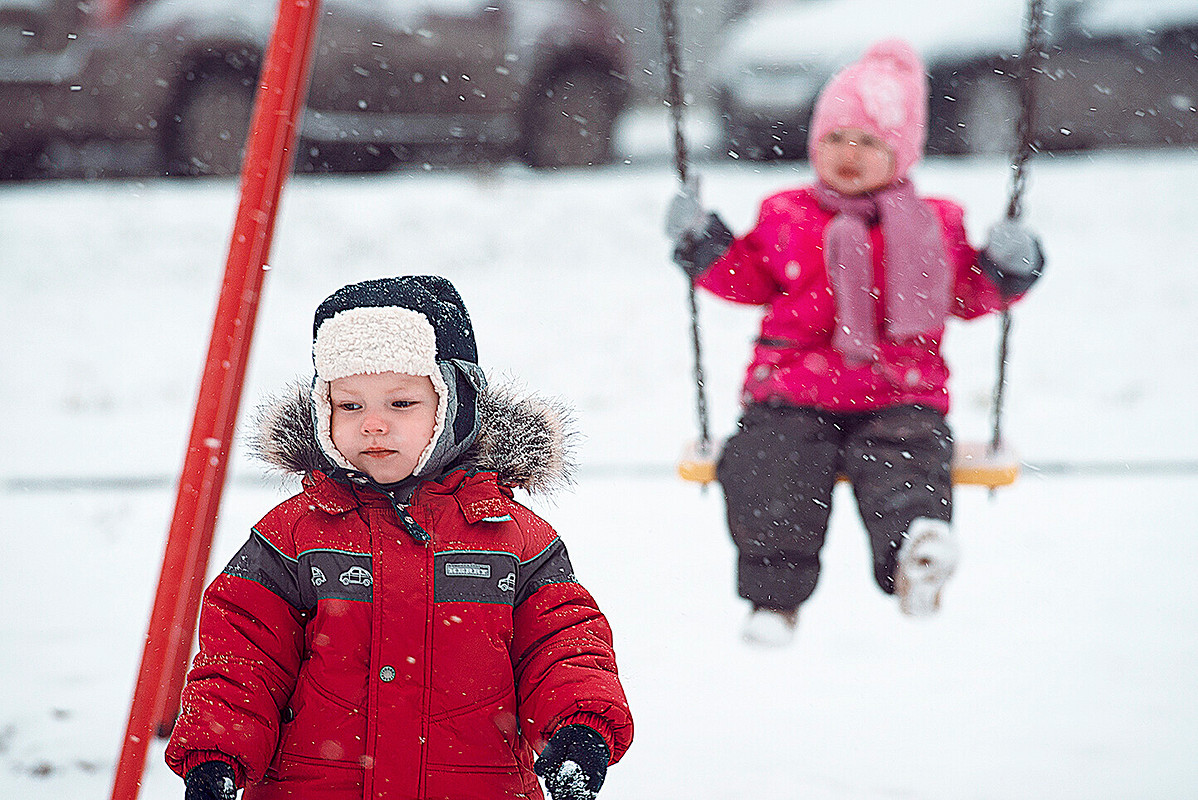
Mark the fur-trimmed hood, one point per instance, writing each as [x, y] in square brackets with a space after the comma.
[527, 440]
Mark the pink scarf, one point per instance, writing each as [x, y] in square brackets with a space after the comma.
[918, 281]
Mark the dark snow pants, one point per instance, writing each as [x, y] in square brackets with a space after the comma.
[778, 472]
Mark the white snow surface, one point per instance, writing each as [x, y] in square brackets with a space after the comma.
[1062, 664]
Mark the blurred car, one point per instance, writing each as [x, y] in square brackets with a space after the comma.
[1116, 72]
[391, 80]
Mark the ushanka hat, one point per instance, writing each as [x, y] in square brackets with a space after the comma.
[413, 324]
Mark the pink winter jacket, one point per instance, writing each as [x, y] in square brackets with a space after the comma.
[779, 264]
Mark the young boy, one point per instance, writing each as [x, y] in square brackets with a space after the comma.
[402, 628]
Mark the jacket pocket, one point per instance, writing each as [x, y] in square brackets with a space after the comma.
[482, 735]
[309, 778]
[318, 724]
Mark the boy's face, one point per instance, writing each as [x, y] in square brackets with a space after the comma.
[853, 162]
[383, 422]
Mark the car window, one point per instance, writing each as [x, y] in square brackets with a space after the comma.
[29, 5]
[417, 8]
[22, 26]
[29, 27]
[1101, 18]
[442, 7]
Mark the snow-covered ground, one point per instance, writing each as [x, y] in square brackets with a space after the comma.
[1063, 664]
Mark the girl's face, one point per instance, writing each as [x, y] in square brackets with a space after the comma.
[853, 162]
[383, 422]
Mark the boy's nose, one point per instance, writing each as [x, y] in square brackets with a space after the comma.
[373, 425]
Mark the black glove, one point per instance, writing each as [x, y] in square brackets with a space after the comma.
[697, 250]
[699, 236]
[1012, 258]
[573, 763]
[211, 780]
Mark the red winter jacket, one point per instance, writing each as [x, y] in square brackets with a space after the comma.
[780, 264]
[342, 658]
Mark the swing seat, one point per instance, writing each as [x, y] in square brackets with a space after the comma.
[974, 464]
[697, 464]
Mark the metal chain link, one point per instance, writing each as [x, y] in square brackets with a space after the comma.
[1032, 51]
[675, 101]
[674, 98]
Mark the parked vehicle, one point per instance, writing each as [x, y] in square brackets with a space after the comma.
[392, 79]
[1115, 72]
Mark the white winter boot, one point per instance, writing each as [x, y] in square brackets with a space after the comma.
[926, 561]
[768, 627]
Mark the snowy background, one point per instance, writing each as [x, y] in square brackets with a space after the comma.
[1062, 666]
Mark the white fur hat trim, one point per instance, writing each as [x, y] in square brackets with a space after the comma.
[368, 340]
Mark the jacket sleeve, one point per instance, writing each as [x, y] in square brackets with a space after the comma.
[562, 653]
[974, 293]
[251, 640]
[743, 273]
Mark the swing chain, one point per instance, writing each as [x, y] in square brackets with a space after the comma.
[674, 98]
[675, 101]
[1032, 49]
[700, 394]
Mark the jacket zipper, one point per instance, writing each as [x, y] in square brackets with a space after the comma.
[409, 524]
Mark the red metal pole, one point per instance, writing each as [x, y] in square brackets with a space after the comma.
[114, 11]
[268, 159]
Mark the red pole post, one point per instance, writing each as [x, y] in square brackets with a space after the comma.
[268, 159]
[114, 11]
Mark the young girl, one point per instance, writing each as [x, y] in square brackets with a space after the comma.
[858, 275]
[402, 628]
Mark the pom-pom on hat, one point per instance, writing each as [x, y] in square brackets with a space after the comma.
[413, 324]
[884, 94]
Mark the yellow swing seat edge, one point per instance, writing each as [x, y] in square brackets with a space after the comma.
[973, 465]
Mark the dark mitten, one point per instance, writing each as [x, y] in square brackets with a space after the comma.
[211, 780]
[1012, 258]
[573, 763]
[697, 249]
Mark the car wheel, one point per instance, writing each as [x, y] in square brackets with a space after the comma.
[988, 115]
[740, 143]
[753, 137]
[211, 123]
[324, 157]
[20, 163]
[775, 141]
[570, 120]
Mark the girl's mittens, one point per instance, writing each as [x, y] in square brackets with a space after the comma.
[1012, 257]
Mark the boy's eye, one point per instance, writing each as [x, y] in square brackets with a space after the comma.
[348, 406]
[403, 403]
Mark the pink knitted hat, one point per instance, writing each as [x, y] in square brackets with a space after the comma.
[886, 94]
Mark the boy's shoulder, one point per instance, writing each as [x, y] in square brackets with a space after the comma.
[320, 495]
[491, 512]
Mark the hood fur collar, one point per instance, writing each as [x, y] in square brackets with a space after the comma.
[527, 440]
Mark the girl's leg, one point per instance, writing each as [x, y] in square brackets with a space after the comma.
[777, 472]
[899, 461]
